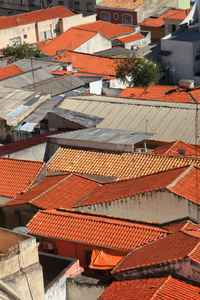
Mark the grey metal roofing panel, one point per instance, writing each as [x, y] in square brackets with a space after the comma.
[104, 135]
[58, 85]
[76, 117]
[169, 121]
[25, 64]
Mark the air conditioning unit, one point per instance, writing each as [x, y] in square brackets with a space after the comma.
[47, 245]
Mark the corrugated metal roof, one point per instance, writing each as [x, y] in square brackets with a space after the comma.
[13, 104]
[104, 135]
[58, 85]
[169, 121]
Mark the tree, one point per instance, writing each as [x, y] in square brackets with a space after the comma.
[137, 71]
[21, 51]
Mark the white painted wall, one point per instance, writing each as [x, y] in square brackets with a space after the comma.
[156, 206]
[96, 87]
[95, 44]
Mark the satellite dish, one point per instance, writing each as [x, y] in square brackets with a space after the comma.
[181, 151]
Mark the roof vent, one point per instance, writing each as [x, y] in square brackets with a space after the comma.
[186, 84]
[181, 151]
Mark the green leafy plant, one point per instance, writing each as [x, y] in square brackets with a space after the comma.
[137, 71]
[21, 51]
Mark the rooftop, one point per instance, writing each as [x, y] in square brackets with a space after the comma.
[107, 29]
[173, 148]
[56, 191]
[35, 16]
[130, 38]
[123, 165]
[127, 4]
[162, 252]
[17, 175]
[151, 288]
[181, 181]
[109, 232]
[89, 63]
[175, 14]
[103, 135]
[9, 71]
[162, 93]
[159, 117]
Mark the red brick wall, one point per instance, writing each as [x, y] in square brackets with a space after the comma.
[120, 14]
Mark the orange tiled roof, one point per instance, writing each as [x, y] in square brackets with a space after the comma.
[120, 189]
[130, 38]
[123, 165]
[186, 185]
[36, 191]
[126, 4]
[163, 93]
[89, 63]
[56, 191]
[100, 230]
[17, 175]
[68, 40]
[176, 14]
[9, 71]
[107, 29]
[157, 288]
[173, 147]
[41, 44]
[173, 247]
[35, 16]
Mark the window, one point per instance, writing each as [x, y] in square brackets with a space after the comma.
[21, 2]
[25, 36]
[127, 19]
[46, 35]
[88, 255]
[77, 5]
[116, 16]
[15, 41]
[171, 28]
[89, 7]
[105, 17]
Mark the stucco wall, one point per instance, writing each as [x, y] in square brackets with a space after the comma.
[22, 271]
[154, 206]
[77, 291]
[139, 43]
[76, 20]
[180, 52]
[36, 153]
[58, 289]
[95, 44]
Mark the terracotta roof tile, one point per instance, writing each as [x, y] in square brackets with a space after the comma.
[160, 251]
[89, 63]
[121, 165]
[107, 29]
[127, 4]
[90, 229]
[164, 288]
[186, 185]
[9, 71]
[130, 38]
[175, 14]
[120, 189]
[17, 175]
[57, 191]
[163, 93]
[35, 16]
[35, 192]
[173, 147]
[68, 40]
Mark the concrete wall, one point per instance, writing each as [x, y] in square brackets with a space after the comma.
[95, 44]
[77, 291]
[36, 153]
[139, 43]
[76, 20]
[181, 51]
[156, 206]
[57, 290]
[22, 271]
[96, 87]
